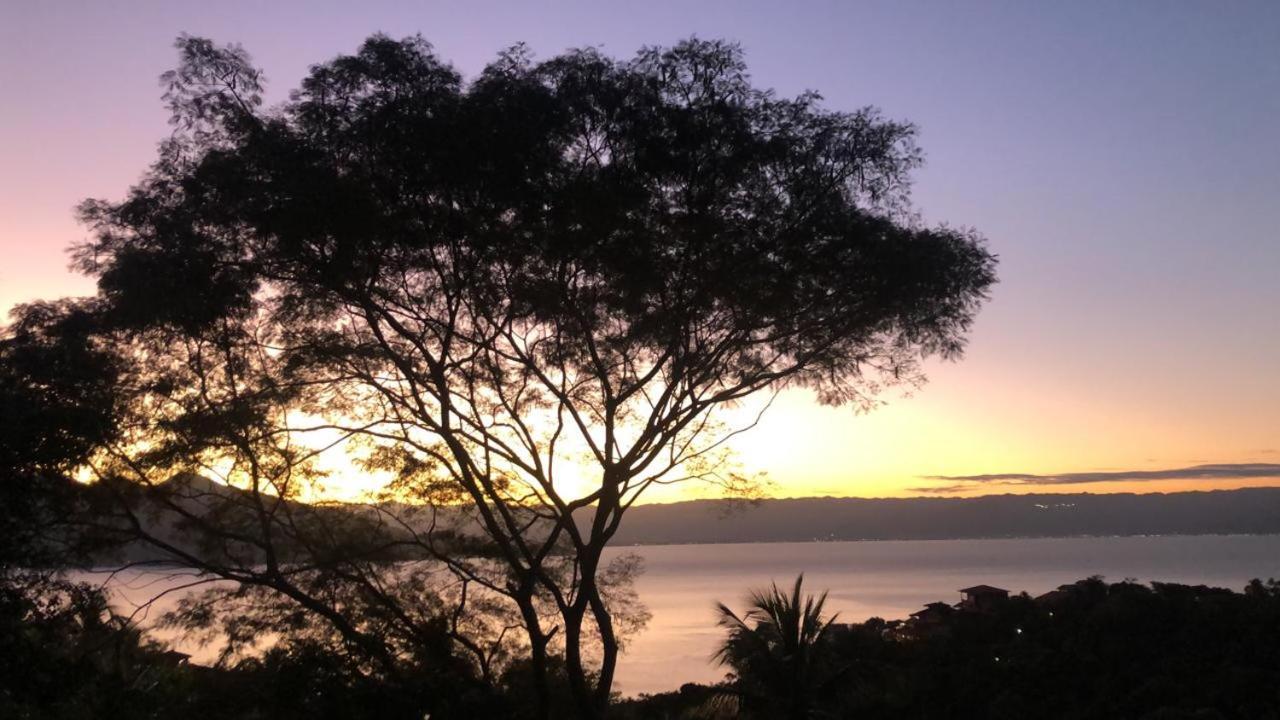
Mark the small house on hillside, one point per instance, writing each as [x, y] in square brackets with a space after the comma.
[982, 598]
[930, 620]
[933, 613]
[1053, 598]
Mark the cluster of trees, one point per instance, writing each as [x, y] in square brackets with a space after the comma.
[1095, 650]
[65, 654]
[1091, 650]
[517, 302]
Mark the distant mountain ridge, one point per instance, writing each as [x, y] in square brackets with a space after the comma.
[1245, 511]
[1217, 512]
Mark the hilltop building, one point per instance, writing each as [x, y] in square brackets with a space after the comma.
[982, 598]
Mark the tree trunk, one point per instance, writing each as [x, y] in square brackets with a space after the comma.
[592, 702]
[538, 653]
[608, 648]
[583, 695]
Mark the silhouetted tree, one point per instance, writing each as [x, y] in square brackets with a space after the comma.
[315, 575]
[65, 654]
[58, 405]
[780, 653]
[559, 269]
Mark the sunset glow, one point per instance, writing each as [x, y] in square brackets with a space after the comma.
[1136, 326]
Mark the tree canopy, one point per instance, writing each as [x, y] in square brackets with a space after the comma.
[493, 284]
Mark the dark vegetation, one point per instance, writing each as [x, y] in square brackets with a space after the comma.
[465, 290]
[1090, 650]
[65, 655]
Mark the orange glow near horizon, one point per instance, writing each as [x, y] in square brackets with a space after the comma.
[803, 449]
[1136, 324]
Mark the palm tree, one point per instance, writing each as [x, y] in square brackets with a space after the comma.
[779, 653]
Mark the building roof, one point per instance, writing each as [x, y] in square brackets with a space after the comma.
[1053, 596]
[933, 608]
[984, 589]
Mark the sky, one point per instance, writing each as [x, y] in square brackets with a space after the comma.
[1123, 160]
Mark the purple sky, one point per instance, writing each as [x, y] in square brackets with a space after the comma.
[1123, 159]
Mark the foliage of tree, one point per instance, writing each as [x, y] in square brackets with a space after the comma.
[57, 406]
[527, 298]
[65, 655]
[780, 654]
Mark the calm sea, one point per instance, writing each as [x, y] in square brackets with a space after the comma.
[889, 579]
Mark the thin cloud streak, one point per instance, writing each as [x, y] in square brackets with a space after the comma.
[1214, 471]
[941, 489]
